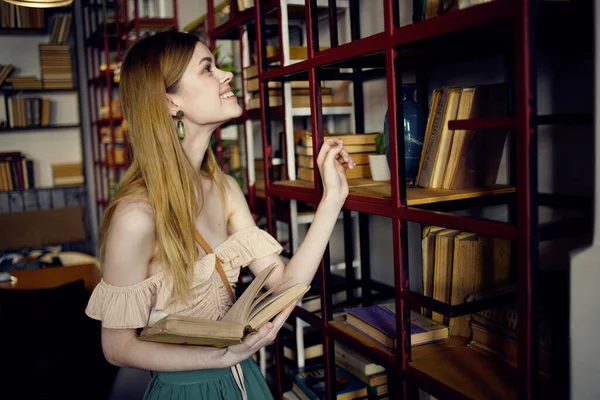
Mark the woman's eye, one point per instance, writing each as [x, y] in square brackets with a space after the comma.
[208, 69]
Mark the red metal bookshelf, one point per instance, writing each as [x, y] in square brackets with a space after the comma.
[513, 27]
[110, 28]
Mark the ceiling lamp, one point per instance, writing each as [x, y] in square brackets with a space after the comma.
[40, 3]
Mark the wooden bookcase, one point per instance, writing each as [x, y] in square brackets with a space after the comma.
[513, 28]
[110, 28]
[31, 204]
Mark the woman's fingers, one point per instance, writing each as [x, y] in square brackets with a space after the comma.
[259, 337]
[333, 153]
[345, 160]
[327, 145]
[269, 330]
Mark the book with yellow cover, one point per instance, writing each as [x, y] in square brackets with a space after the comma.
[251, 311]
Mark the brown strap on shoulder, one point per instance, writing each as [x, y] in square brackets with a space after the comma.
[206, 247]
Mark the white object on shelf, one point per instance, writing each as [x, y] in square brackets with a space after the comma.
[380, 171]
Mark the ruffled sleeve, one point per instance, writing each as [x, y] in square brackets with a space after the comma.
[123, 307]
[247, 245]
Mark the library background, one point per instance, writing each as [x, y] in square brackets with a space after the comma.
[464, 262]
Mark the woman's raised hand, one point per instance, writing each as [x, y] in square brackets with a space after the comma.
[333, 161]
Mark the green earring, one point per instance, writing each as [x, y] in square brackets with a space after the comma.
[180, 128]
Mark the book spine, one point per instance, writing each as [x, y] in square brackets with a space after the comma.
[429, 155]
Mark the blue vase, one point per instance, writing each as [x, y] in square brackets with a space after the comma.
[414, 133]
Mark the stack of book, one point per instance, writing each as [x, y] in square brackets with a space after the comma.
[456, 159]
[259, 176]
[12, 16]
[300, 96]
[67, 174]
[28, 112]
[452, 263]
[495, 333]
[337, 289]
[358, 145]
[313, 348]
[24, 82]
[378, 323]
[55, 62]
[119, 134]
[245, 4]
[5, 70]
[300, 92]
[115, 154]
[253, 88]
[61, 29]
[296, 52]
[373, 375]
[309, 383]
[16, 171]
[113, 109]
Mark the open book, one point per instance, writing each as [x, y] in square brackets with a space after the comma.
[251, 311]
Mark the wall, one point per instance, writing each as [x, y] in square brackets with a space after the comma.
[189, 10]
[585, 275]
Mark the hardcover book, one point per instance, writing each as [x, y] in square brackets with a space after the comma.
[311, 381]
[251, 311]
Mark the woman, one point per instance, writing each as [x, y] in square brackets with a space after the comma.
[174, 97]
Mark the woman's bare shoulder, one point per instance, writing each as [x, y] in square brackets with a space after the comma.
[238, 213]
[129, 243]
[133, 212]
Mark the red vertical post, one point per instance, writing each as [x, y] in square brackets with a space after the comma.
[316, 109]
[176, 14]
[316, 120]
[398, 190]
[267, 155]
[523, 111]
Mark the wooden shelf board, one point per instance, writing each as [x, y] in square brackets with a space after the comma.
[296, 184]
[415, 195]
[30, 31]
[10, 91]
[464, 370]
[450, 362]
[418, 196]
[39, 128]
[376, 351]
[45, 188]
[151, 23]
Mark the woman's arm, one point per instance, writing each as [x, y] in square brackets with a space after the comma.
[129, 250]
[333, 161]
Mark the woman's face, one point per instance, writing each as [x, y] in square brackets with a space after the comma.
[204, 93]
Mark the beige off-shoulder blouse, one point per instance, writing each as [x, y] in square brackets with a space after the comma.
[146, 302]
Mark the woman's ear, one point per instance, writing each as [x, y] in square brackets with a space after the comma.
[173, 104]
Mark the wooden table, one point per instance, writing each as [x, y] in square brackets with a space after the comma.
[47, 278]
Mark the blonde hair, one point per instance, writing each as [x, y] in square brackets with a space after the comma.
[160, 171]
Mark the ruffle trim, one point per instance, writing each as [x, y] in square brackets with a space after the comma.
[123, 307]
[130, 306]
[248, 244]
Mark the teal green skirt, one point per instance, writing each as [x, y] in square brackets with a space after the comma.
[210, 384]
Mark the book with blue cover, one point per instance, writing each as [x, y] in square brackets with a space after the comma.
[311, 381]
[379, 323]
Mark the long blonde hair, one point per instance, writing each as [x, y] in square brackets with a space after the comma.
[160, 171]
